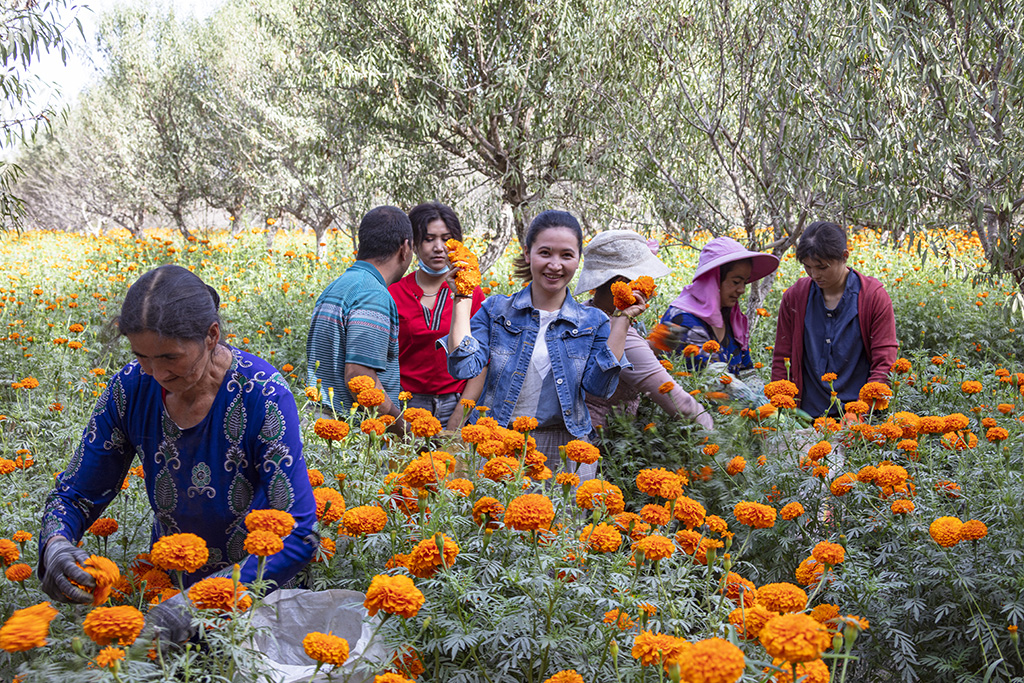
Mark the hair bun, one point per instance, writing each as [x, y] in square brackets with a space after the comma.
[215, 295]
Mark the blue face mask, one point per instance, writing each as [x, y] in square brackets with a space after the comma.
[430, 271]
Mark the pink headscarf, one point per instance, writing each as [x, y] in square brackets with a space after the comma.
[703, 299]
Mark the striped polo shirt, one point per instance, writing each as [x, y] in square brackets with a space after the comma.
[355, 320]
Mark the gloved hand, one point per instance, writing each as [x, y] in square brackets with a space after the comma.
[60, 566]
[170, 621]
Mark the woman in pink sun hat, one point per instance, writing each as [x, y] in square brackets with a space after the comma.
[708, 309]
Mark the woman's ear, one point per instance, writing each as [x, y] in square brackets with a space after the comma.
[213, 335]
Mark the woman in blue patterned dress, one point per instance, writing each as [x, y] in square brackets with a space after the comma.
[216, 430]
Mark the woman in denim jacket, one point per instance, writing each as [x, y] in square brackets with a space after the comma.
[579, 350]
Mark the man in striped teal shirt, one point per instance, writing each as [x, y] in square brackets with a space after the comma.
[354, 330]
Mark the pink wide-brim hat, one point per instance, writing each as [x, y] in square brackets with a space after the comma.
[723, 250]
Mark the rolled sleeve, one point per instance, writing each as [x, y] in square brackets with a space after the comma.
[469, 358]
[601, 374]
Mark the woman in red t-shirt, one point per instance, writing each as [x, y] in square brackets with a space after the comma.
[425, 314]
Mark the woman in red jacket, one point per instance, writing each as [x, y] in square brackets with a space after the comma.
[834, 322]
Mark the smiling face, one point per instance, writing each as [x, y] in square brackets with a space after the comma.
[553, 259]
[734, 284]
[829, 275]
[431, 250]
[177, 365]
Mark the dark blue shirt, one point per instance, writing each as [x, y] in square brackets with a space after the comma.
[832, 343]
[695, 331]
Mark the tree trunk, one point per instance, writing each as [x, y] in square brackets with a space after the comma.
[498, 236]
[321, 231]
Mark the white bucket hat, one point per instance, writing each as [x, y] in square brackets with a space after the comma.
[617, 252]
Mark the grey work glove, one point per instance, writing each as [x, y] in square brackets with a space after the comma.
[60, 566]
[171, 620]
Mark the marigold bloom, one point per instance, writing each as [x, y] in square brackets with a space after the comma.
[782, 386]
[814, 671]
[948, 488]
[809, 572]
[104, 573]
[424, 427]
[666, 387]
[736, 465]
[996, 434]
[750, 620]
[582, 452]
[946, 531]
[567, 479]
[425, 558]
[711, 346]
[524, 423]
[902, 507]
[103, 527]
[656, 547]
[276, 521]
[659, 483]
[109, 656]
[427, 470]
[890, 475]
[791, 511]
[393, 594]
[632, 524]
[739, 590]
[690, 350]
[330, 505]
[364, 519]
[783, 401]
[501, 468]
[529, 512]
[971, 387]
[782, 597]
[263, 543]
[220, 593]
[1005, 408]
[842, 484]
[829, 553]
[27, 628]
[657, 515]
[755, 515]
[105, 625]
[331, 430]
[490, 507]
[326, 648]
[566, 676]
[391, 677]
[973, 530]
[956, 422]
[372, 425]
[467, 275]
[712, 661]
[370, 398]
[360, 383]
[596, 492]
[657, 648]
[180, 552]
[689, 512]
[901, 366]
[18, 572]
[857, 407]
[795, 638]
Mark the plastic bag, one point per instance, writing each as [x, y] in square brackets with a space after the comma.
[286, 617]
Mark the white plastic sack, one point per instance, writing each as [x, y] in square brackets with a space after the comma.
[288, 615]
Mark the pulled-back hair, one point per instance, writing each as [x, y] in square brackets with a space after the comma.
[424, 214]
[171, 301]
[382, 232]
[822, 240]
[544, 221]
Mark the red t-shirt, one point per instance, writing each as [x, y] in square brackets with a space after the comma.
[424, 368]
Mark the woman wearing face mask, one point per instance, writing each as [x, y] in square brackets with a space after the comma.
[425, 312]
[836, 321]
[544, 351]
[709, 310]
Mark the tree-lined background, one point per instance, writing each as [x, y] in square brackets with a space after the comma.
[661, 116]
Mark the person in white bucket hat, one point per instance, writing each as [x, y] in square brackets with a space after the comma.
[620, 256]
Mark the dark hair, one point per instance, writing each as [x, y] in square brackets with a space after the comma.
[171, 301]
[726, 268]
[544, 221]
[382, 232]
[424, 214]
[822, 240]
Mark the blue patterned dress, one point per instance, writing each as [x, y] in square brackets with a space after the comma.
[246, 454]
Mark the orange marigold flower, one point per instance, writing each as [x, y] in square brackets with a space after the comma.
[372, 425]
[331, 430]
[404, 395]
[750, 620]
[424, 427]
[27, 628]
[782, 401]
[809, 571]
[782, 597]
[890, 475]
[530, 512]
[109, 657]
[582, 452]
[996, 434]
[795, 638]
[475, 434]
[316, 477]
[632, 524]
[781, 386]
[842, 484]
[1005, 408]
[501, 468]
[276, 521]
[596, 492]
[180, 552]
[105, 625]
[711, 449]
[657, 515]
[567, 479]
[666, 387]
[326, 648]
[973, 530]
[814, 671]
[659, 483]
[690, 350]
[689, 512]
[104, 573]
[427, 470]
[736, 465]
[359, 384]
[791, 511]
[467, 276]
[393, 594]
[755, 515]
[712, 661]
[263, 543]
[971, 387]
[902, 507]
[489, 507]
[656, 547]
[857, 407]
[946, 531]
[829, 553]
[604, 538]
[18, 572]
[220, 593]
[370, 398]
[901, 366]
[330, 505]
[657, 648]
[949, 488]
[711, 346]
[819, 450]
[739, 590]
[565, 676]
[103, 527]
[956, 422]
[426, 557]
[619, 618]
[463, 487]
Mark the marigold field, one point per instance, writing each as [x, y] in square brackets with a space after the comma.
[885, 547]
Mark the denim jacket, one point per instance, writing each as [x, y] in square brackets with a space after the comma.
[503, 333]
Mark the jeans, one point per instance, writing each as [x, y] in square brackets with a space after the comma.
[440, 406]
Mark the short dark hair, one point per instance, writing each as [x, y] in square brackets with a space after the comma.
[544, 221]
[382, 232]
[822, 240]
[171, 301]
[424, 214]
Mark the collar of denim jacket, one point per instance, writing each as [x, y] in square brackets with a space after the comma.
[571, 311]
